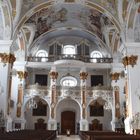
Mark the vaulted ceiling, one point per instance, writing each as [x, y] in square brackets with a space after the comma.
[106, 23]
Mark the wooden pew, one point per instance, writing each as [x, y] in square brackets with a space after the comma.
[89, 135]
[126, 137]
[29, 135]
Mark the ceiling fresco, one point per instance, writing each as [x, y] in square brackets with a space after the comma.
[109, 5]
[76, 16]
[102, 19]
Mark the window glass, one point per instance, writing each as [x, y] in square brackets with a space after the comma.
[95, 55]
[69, 49]
[43, 54]
[68, 81]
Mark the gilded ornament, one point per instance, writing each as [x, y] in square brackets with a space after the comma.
[22, 74]
[115, 76]
[53, 75]
[7, 58]
[83, 75]
[130, 60]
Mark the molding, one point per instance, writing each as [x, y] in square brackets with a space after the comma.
[5, 45]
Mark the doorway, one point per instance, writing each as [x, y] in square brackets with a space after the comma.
[68, 122]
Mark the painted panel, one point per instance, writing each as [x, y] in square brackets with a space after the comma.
[69, 16]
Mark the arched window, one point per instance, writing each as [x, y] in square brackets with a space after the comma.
[69, 50]
[95, 55]
[43, 54]
[68, 81]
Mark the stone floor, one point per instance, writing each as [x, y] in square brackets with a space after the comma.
[64, 137]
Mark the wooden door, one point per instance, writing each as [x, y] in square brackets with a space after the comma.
[68, 122]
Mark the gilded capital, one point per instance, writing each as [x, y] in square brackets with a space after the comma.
[7, 58]
[130, 60]
[22, 74]
[115, 76]
[53, 75]
[83, 75]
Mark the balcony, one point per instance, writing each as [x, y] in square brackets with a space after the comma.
[70, 57]
[96, 91]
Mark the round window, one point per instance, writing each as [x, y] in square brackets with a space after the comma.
[68, 81]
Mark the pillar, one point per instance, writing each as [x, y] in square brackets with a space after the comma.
[6, 63]
[83, 122]
[52, 123]
[117, 83]
[131, 62]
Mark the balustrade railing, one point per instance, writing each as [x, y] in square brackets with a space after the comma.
[70, 57]
[33, 90]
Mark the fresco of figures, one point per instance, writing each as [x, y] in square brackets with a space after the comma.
[68, 16]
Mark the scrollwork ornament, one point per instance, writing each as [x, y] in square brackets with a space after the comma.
[7, 58]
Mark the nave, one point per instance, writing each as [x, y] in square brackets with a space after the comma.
[64, 137]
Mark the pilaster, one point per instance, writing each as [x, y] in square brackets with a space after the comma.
[83, 122]
[52, 123]
[132, 67]
[6, 63]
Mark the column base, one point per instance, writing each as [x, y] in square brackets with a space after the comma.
[8, 125]
[113, 125]
[19, 124]
[128, 128]
[84, 126]
[52, 124]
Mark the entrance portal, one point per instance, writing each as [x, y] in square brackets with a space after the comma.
[68, 122]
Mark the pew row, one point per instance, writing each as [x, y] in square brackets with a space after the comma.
[29, 135]
[105, 135]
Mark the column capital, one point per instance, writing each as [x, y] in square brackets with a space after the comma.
[53, 75]
[130, 60]
[7, 58]
[115, 76]
[83, 75]
[22, 74]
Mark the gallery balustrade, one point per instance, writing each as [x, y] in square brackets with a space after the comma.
[70, 57]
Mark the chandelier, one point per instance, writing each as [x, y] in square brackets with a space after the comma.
[32, 104]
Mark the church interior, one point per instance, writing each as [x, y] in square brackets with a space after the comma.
[70, 67]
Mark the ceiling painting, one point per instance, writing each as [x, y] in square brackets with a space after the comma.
[69, 16]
